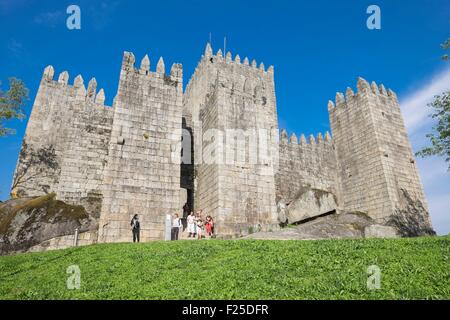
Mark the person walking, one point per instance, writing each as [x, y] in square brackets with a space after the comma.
[136, 228]
[176, 226]
[191, 225]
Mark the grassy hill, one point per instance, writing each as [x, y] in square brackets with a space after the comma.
[241, 269]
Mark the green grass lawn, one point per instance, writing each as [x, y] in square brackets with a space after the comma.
[240, 269]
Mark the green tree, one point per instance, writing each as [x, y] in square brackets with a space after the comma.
[11, 104]
[440, 137]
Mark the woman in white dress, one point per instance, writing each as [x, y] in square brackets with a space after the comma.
[191, 225]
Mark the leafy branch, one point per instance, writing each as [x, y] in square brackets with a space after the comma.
[440, 138]
[11, 104]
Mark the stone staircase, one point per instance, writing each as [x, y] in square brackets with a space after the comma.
[184, 236]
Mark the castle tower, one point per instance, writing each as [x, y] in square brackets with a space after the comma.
[231, 108]
[66, 142]
[376, 166]
[142, 175]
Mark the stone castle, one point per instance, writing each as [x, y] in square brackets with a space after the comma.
[214, 147]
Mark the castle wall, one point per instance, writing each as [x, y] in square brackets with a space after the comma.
[142, 175]
[305, 165]
[375, 160]
[65, 145]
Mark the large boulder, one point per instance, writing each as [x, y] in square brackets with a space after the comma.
[335, 226]
[27, 222]
[310, 203]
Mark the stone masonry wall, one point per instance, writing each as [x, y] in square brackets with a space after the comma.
[86, 153]
[304, 164]
[142, 175]
[398, 159]
[208, 188]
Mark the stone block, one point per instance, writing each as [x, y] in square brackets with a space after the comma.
[380, 231]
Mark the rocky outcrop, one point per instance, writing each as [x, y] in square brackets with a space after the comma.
[27, 222]
[310, 203]
[380, 231]
[334, 226]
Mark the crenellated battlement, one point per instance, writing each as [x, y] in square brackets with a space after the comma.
[319, 140]
[364, 89]
[128, 66]
[90, 95]
[228, 58]
[234, 65]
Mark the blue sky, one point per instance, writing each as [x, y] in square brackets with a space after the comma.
[317, 47]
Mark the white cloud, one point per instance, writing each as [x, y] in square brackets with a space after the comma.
[433, 171]
[414, 106]
[440, 213]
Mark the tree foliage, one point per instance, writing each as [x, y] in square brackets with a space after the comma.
[12, 103]
[445, 46]
[440, 137]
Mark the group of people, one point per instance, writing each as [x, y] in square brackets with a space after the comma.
[196, 226]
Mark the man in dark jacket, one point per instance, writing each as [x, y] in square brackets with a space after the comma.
[136, 228]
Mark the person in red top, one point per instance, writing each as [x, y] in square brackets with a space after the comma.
[209, 226]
